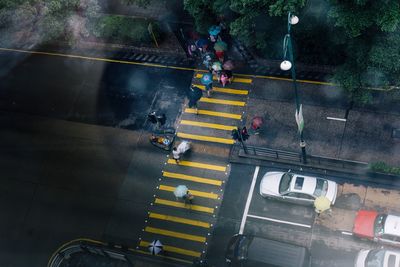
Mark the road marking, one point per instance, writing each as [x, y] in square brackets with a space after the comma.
[180, 235]
[199, 165]
[214, 113]
[208, 125]
[161, 256]
[224, 90]
[335, 119]
[155, 65]
[346, 233]
[173, 249]
[183, 205]
[206, 138]
[279, 221]
[222, 101]
[179, 220]
[193, 192]
[192, 178]
[249, 196]
[235, 79]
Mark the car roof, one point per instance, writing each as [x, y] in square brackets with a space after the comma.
[364, 223]
[392, 225]
[303, 184]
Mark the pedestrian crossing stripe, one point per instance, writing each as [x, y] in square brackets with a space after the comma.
[208, 125]
[222, 101]
[192, 178]
[193, 192]
[224, 90]
[179, 220]
[172, 249]
[180, 235]
[214, 113]
[206, 138]
[198, 165]
[235, 79]
[183, 205]
[161, 256]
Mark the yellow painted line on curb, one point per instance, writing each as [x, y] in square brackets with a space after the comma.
[161, 256]
[198, 165]
[193, 192]
[154, 65]
[208, 125]
[192, 178]
[235, 79]
[206, 138]
[222, 101]
[214, 113]
[179, 220]
[224, 90]
[173, 249]
[177, 204]
[175, 234]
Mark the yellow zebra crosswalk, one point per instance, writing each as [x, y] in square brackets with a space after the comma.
[175, 234]
[192, 178]
[214, 113]
[177, 204]
[222, 101]
[224, 90]
[193, 192]
[172, 249]
[199, 165]
[208, 125]
[235, 79]
[178, 220]
[228, 141]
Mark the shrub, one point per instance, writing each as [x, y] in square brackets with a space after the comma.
[385, 168]
[125, 30]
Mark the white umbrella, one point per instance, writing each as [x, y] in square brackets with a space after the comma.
[180, 190]
[155, 247]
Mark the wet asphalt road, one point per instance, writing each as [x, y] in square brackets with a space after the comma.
[64, 174]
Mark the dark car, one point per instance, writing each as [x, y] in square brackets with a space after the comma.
[248, 251]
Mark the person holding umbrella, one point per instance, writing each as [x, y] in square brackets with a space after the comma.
[228, 66]
[194, 96]
[156, 247]
[214, 30]
[219, 48]
[207, 81]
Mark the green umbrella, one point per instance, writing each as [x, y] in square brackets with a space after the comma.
[220, 46]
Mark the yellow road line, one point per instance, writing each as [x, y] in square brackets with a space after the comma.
[228, 141]
[161, 256]
[179, 220]
[183, 206]
[235, 79]
[173, 249]
[222, 101]
[214, 113]
[175, 234]
[193, 192]
[198, 165]
[208, 125]
[225, 90]
[153, 65]
[192, 178]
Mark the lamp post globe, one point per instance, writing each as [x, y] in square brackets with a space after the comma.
[294, 20]
[286, 65]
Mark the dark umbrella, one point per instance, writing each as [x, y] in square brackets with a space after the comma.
[195, 93]
[201, 42]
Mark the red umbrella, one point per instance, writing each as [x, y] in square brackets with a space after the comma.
[256, 122]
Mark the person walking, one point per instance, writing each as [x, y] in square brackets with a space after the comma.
[176, 155]
[188, 198]
[194, 95]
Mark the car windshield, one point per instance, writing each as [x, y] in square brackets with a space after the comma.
[379, 224]
[375, 258]
[321, 188]
[285, 182]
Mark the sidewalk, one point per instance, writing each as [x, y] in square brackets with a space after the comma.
[366, 136]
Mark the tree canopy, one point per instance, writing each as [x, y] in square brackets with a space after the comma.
[359, 37]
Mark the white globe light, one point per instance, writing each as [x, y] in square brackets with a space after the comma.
[286, 65]
[294, 20]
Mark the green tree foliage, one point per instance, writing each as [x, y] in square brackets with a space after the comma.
[36, 21]
[372, 33]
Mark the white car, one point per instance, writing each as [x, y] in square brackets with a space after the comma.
[297, 188]
[378, 257]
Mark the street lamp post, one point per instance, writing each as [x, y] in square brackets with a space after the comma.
[289, 64]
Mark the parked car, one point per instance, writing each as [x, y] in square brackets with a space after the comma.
[248, 251]
[377, 258]
[297, 188]
[382, 228]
